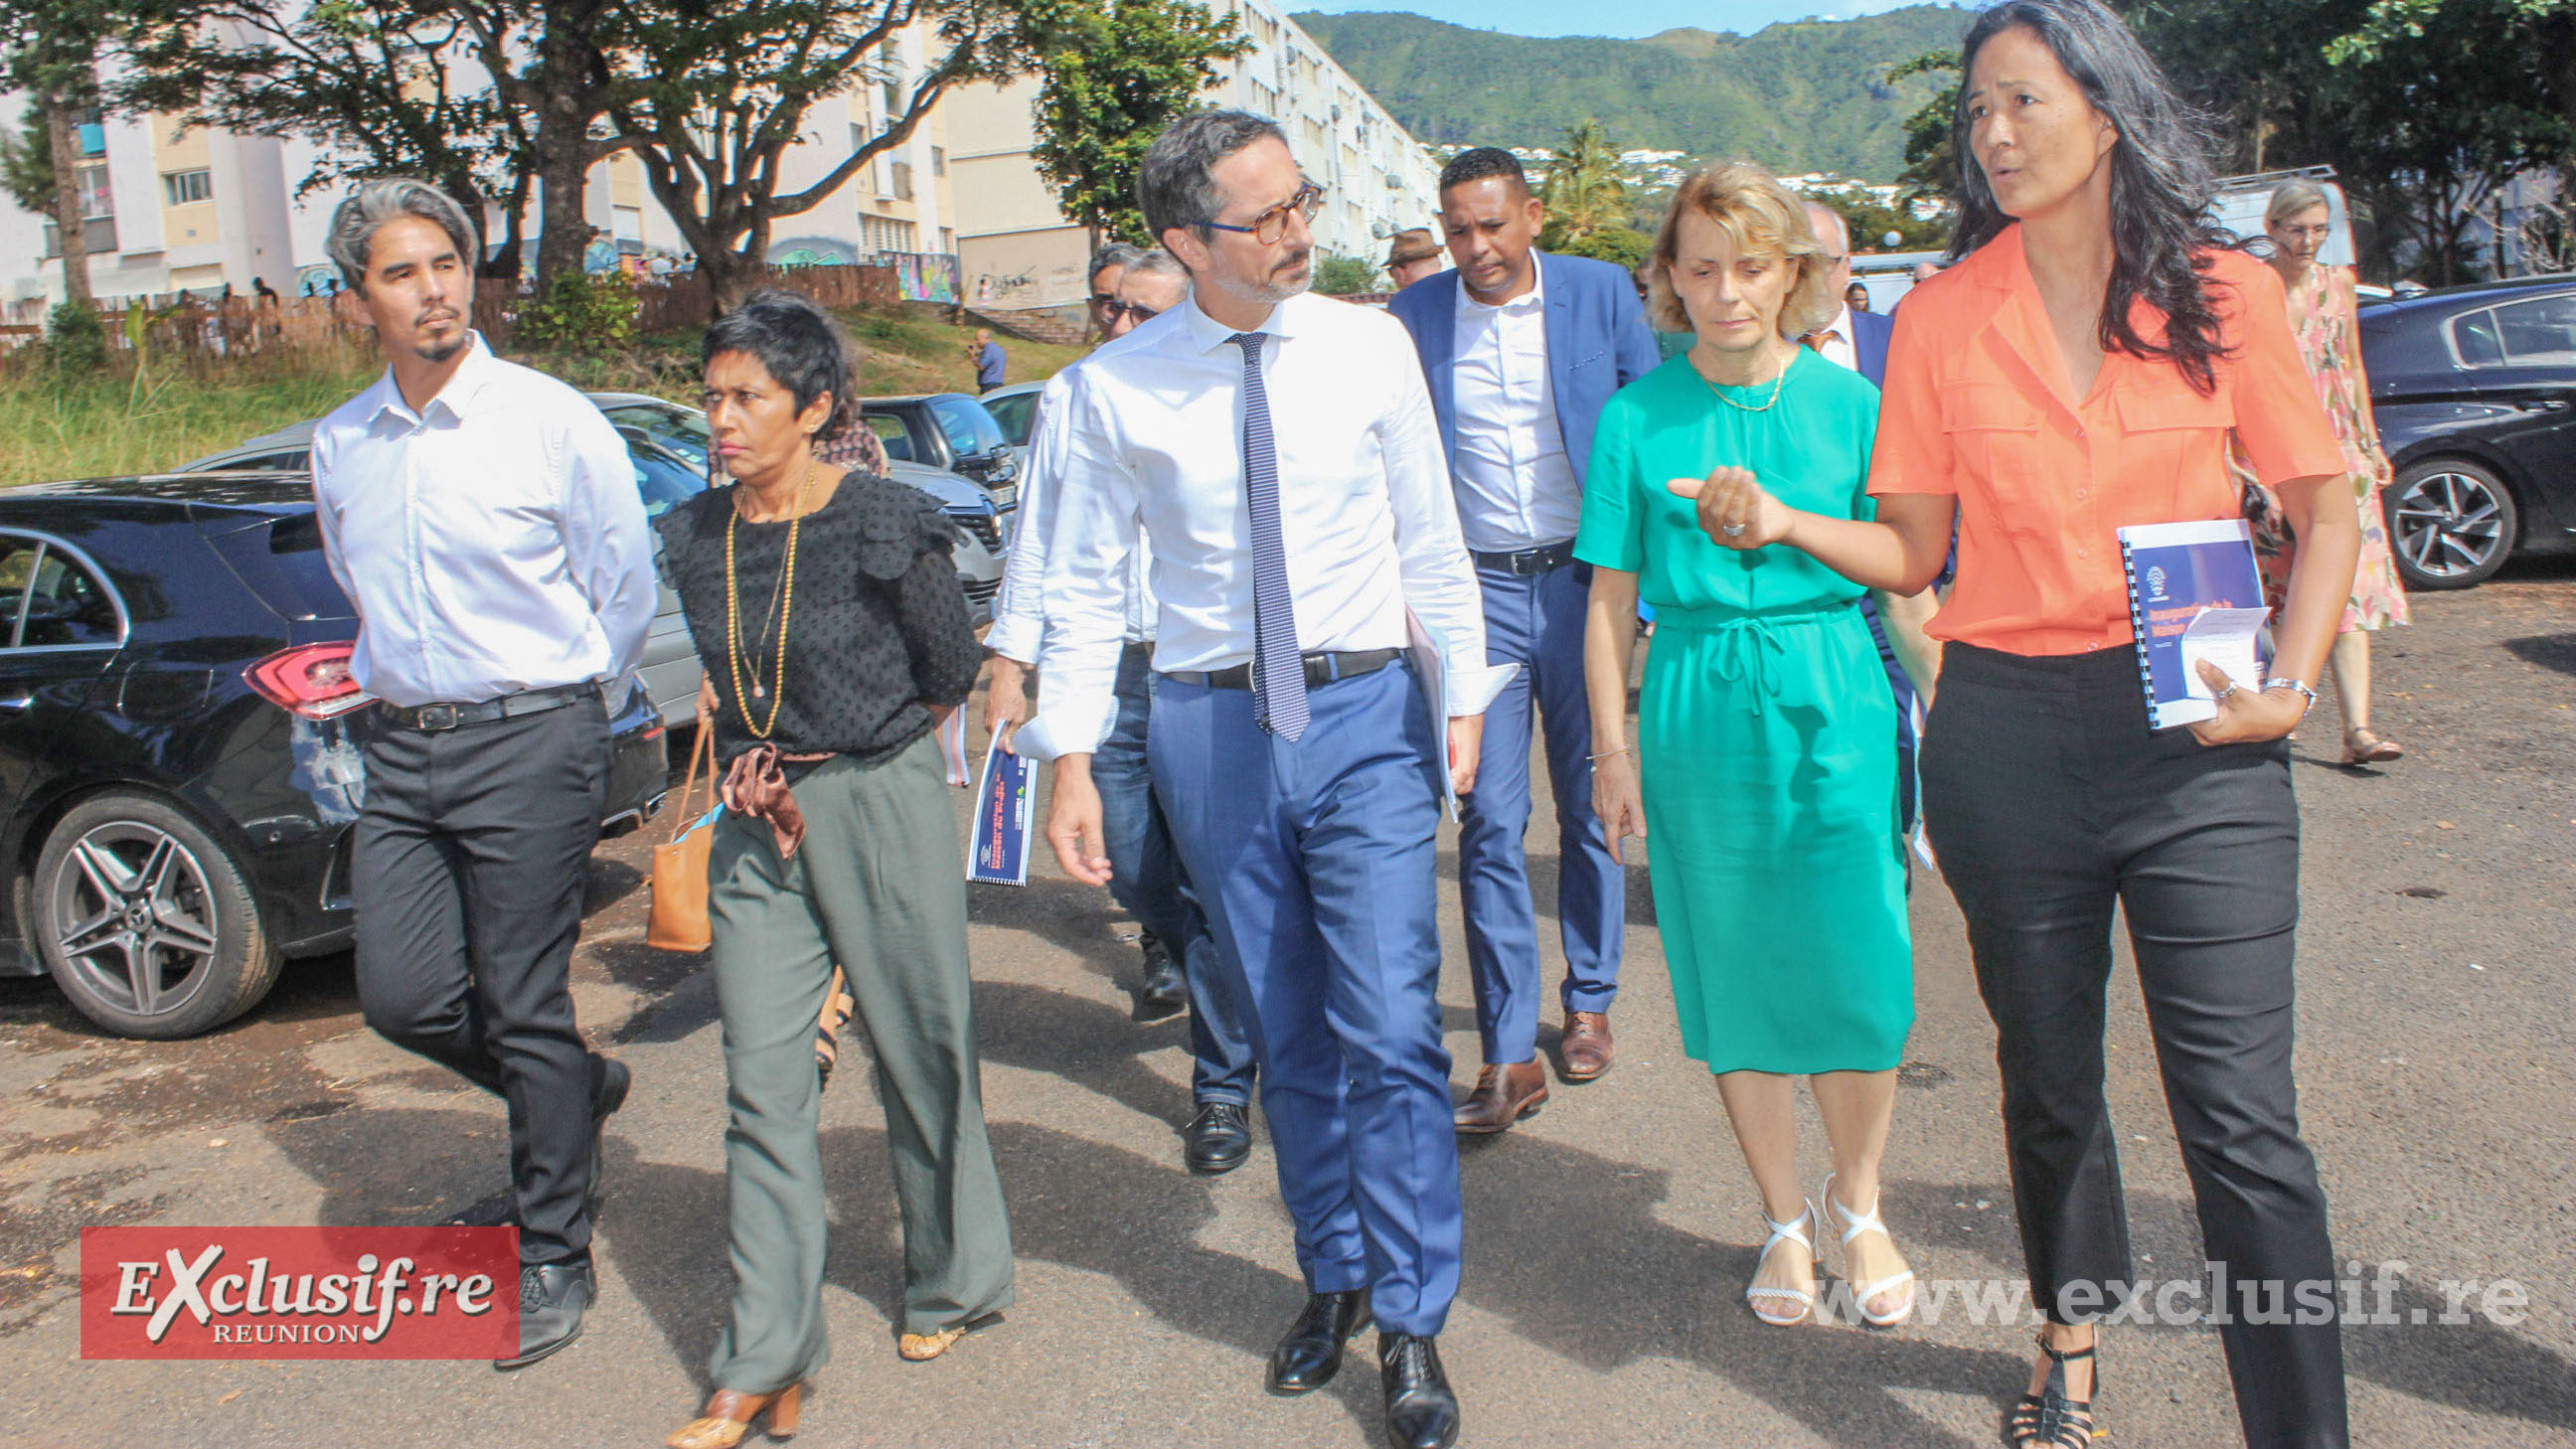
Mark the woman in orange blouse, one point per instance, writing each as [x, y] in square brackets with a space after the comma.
[2080, 370]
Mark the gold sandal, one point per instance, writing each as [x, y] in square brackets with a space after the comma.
[923, 1347]
[729, 1415]
[837, 1006]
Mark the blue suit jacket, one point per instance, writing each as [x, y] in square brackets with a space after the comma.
[1870, 332]
[1597, 343]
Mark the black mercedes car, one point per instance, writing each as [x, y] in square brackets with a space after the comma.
[2475, 391]
[180, 744]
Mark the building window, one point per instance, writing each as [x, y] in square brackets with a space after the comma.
[887, 234]
[858, 138]
[178, 188]
[97, 198]
[938, 160]
[902, 176]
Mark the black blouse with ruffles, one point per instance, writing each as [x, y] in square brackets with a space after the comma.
[878, 631]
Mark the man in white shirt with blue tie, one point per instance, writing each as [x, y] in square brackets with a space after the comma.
[484, 521]
[1280, 450]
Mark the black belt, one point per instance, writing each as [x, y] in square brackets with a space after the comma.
[1322, 668]
[1529, 563]
[508, 706]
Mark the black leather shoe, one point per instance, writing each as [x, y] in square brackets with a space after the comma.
[1312, 1352]
[1218, 1138]
[1421, 1412]
[605, 1099]
[551, 1301]
[1166, 990]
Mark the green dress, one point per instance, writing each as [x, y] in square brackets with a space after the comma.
[1766, 730]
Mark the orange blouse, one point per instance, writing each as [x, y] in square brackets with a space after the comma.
[1976, 406]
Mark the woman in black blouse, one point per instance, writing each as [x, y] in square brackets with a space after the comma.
[836, 638]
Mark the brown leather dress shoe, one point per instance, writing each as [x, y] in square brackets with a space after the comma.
[1503, 1096]
[1586, 1048]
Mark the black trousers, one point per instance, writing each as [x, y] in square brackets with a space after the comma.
[2048, 800]
[469, 863]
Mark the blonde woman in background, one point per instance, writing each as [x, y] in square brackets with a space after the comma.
[2324, 316]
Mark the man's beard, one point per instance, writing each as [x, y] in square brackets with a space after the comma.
[1276, 287]
[435, 352]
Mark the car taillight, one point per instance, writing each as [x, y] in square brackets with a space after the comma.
[310, 680]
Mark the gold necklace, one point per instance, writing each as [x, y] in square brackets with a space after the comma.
[786, 605]
[1777, 382]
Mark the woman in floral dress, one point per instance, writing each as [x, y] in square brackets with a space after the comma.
[2324, 317]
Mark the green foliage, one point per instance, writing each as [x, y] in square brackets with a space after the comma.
[1931, 153]
[1624, 245]
[1870, 220]
[1810, 95]
[1340, 276]
[27, 164]
[582, 312]
[1114, 80]
[75, 341]
[1582, 190]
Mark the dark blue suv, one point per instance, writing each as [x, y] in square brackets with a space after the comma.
[2475, 390]
[180, 744]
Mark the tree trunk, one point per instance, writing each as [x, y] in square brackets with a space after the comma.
[566, 105]
[62, 137]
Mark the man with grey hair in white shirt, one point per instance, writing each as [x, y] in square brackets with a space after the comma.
[1181, 965]
[484, 521]
[1280, 450]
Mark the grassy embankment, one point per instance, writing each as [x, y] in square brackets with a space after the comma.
[112, 423]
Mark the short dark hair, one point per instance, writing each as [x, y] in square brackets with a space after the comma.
[1480, 164]
[803, 349]
[1173, 184]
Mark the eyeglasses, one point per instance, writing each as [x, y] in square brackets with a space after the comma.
[1271, 225]
[1112, 311]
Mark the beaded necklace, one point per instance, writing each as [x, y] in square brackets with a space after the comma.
[782, 603]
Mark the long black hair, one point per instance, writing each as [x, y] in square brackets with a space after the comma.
[2161, 180]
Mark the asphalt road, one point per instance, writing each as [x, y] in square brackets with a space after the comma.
[1608, 1238]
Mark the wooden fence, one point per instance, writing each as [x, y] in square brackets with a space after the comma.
[195, 326]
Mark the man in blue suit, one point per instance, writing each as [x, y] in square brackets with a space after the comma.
[1521, 350]
[1858, 340]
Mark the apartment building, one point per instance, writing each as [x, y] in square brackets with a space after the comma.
[1018, 252]
[169, 209]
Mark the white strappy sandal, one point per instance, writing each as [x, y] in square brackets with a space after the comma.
[1797, 1230]
[1855, 1224]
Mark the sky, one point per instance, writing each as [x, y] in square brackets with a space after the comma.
[1620, 18]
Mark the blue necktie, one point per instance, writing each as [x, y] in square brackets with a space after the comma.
[1278, 669]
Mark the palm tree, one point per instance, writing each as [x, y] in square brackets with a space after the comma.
[1583, 189]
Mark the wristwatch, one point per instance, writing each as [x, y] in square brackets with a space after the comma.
[2309, 696]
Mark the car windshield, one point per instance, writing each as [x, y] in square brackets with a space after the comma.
[970, 430]
[663, 479]
[1015, 413]
[682, 431]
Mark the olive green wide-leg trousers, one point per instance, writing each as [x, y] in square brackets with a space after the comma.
[879, 886]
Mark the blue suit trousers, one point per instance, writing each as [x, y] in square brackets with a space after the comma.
[1318, 858]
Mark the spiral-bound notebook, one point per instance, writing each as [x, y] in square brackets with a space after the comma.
[2194, 593]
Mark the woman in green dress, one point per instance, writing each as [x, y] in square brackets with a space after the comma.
[1766, 732]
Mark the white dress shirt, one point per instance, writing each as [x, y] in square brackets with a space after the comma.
[1153, 443]
[492, 542]
[1516, 487]
[1840, 349]
[1019, 611]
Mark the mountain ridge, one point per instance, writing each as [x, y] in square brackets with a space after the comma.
[1799, 95]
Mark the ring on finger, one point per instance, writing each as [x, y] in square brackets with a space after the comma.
[1731, 530]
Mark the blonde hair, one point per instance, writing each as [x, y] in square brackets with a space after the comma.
[2294, 197]
[1763, 218]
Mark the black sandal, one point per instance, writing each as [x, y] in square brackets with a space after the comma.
[2049, 1418]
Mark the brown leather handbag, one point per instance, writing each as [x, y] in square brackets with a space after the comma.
[678, 920]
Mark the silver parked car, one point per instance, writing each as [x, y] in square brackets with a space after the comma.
[668, 443]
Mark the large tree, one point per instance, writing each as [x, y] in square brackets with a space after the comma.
[1583, 189]
[1116, 75]
[714, 101]
[52, 50]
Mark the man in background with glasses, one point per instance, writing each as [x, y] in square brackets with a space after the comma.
[1108, 265]
[1280, 449]
[1181, 962]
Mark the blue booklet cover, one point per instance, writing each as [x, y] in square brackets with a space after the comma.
[2175, 571]
[1004, 802]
